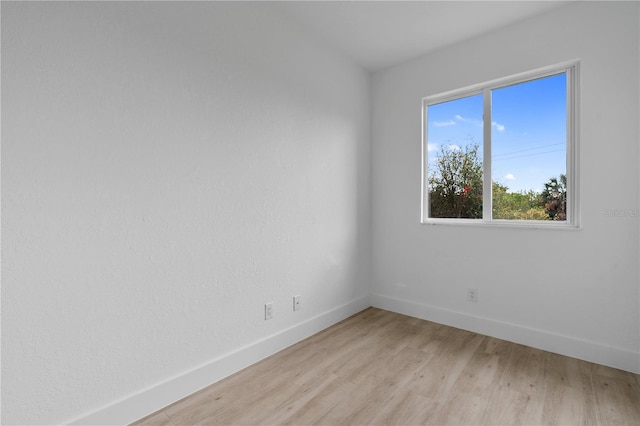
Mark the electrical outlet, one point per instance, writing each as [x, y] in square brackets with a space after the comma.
[268, 311]
[296, 303]
[472, 294]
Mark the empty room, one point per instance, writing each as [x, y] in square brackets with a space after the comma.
[320, 212]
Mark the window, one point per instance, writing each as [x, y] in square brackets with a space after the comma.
[503, 152]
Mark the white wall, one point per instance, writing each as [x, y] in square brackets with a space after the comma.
[167, 168]
[573, 292]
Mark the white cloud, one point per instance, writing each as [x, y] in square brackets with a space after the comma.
[444, 123]
[473, 121]
[432, 147]
[509, 176]
[499, 127]
[453, 148]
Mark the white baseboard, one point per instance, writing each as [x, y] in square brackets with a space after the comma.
[147, 401]
[586, 350]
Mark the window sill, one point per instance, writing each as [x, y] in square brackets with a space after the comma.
[504, 223]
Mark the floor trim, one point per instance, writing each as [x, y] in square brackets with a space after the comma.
[586, 350]
[147, 401]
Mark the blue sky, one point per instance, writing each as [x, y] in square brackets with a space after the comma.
[528, 131]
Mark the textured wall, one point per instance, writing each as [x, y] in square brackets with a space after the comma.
[579, 287]
[167, 168]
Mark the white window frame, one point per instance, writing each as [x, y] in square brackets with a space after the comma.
[571, 69]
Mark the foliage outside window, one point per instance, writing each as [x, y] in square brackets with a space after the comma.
[503, 152]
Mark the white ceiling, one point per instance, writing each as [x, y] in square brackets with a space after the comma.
[378, 34]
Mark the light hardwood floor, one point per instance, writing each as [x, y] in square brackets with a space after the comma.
[383, 368]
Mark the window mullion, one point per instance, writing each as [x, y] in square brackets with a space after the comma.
[486, 155]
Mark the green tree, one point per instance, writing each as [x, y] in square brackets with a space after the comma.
[516, 205]
[554, 198]
[455, 191]
[455, 184]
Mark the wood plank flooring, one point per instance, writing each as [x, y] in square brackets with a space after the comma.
[383, 368]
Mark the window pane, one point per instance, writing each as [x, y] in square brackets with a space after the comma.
[529, 150]
[454, 158]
